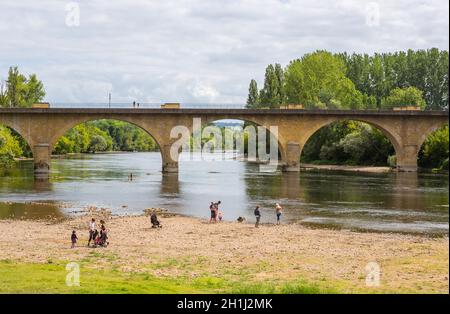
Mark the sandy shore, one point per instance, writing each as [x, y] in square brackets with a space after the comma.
[372, 169]
[281, 253]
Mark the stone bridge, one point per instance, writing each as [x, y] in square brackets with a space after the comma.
[406, 130]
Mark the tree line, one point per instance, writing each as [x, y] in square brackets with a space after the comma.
[322, 80]
[103, 136]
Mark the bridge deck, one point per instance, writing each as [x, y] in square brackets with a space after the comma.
[224, 111]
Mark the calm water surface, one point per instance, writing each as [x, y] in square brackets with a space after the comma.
[394, 202]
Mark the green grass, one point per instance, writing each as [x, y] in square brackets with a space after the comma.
[50, 277]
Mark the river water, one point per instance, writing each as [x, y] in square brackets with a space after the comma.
[387, 202]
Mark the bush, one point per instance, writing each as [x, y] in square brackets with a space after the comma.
[392, 161]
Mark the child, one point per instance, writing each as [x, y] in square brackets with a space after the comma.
[74, 239]
[220, 216]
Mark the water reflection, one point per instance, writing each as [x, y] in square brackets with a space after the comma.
[42, 184]
[170, 184]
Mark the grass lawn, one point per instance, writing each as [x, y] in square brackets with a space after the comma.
[51, 278]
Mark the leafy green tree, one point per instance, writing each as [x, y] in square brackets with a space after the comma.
[318, 80]
[279, 74]
[408, 96]
[97, 144]
[435, 151]
[379, 74]
[64, 146]
[272, 94]
[34, 91]
[253, 95]
[9, 147]
[18, 91]
[16, 88]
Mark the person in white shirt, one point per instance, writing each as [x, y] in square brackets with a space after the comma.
[91, 231]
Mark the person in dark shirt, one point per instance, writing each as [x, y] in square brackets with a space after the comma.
[258, 216]
[74, 239]
[212, 208]
[154, 221]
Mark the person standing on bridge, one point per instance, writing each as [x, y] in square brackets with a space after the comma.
[134, 104]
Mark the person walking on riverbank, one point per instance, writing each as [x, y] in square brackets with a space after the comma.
[74, 239]
[91, 231]
[278, 210]
[258, 216]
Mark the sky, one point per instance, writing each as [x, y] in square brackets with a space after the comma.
[196, 51]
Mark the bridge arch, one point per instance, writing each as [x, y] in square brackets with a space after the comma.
[431, 155]
[429, 131]
[253, 120]
[24, 144]
[385, 130]
[20, 132]
[69, 126]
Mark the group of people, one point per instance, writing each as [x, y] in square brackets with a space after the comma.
[101, 238]
[215, 212]
[135, 104]
[278, 212]
[96, 237]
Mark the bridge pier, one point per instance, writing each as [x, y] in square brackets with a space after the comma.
[169, 164]
[292, 157]
[42, 157]
[407, 158]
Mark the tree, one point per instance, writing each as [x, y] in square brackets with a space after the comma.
[9, 147]
[409, 96]
[253, 95]
[279, 74]
[379, 74]
[272, 94]
[97, 144]
[34, 91]
[435, 150]
[16, 88]
[18, 91]
[3, 95]
[318, 80]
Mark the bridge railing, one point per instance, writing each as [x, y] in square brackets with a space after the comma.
[146, 105]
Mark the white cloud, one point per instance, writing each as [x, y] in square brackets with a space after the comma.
[193, 50]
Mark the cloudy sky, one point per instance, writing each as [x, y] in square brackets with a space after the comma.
[197, 51]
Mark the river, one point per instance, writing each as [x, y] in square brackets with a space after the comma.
[386, 202]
